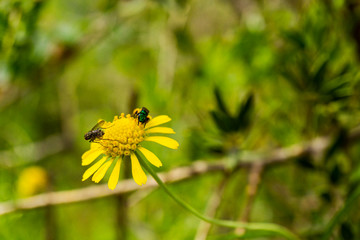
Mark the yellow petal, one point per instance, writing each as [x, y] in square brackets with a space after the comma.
[88, 152]
[94, 145]
[137, 172]
[114, 177]
[157, 121]
[89, 156]
[100, 173]
[165, 141]
[93, 168]
[160, 130]
[151, 157]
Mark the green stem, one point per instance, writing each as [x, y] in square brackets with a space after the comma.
[269, 227]
[341, 213]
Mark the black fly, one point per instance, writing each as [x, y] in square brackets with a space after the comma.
[95, 132]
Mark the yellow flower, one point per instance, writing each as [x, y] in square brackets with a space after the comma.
[122, 138]
[31, 180]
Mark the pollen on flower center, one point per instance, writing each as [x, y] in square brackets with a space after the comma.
[111, 141]
[122, 136]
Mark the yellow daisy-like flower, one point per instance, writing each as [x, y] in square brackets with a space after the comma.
[122, 138]
[32, 180]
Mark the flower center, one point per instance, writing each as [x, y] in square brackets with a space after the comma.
[122, 136]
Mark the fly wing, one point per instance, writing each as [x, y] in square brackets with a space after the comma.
[99, 124]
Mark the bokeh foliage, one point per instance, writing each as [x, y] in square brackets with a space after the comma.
[234, 76]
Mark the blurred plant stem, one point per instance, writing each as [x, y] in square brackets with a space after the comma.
[315, 147]
[211, 208]
[50, 226]
[254, 179]
[121, 208]
[354, 18]
[341, 213]
[50, 222]
[261, 227]
[309, 129]
[122, 201]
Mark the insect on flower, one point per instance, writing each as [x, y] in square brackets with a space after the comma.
[96, 132]
[142, 115]
[121, 140]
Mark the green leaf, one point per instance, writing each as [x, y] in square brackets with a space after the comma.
[289, 76]
[336, 174]
[319, 76]
[352, 200]
[337, 143]
[244, 113]
[216, 150]
[248, 234]
[306, 76]
[355, 175]
[223, 122]
[346, 231]
[344, 70]
[340, 97]
[339, 86]
[184, 40]
[219, 100]
[326, 196]
[296, 38]
[182, 3]
[306, 162]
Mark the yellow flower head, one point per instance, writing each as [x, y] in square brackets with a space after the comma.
[121, 138]
[32, 180]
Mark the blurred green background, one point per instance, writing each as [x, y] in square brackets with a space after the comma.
[234, 76]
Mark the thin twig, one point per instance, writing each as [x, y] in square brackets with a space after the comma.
[251, 190]
[313, 148]
[100, 191]
[213, 204]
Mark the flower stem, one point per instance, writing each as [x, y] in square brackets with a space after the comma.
[339, 216]
[268, 227]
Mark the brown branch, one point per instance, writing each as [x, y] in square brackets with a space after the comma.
[313, 148]
[213, 205]
[251, 190]
[99, 191]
